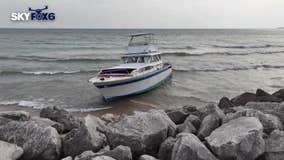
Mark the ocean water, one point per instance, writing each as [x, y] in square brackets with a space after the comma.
[40, 68]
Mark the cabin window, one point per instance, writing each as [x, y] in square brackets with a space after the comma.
[159, 56]
[156, 58]
[152, 59]
[129, 59]
[147, 59]
[141, 60]
[117, 71]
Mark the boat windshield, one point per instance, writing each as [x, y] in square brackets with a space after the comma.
[140, 59]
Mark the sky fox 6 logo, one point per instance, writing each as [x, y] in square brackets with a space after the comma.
[33, 15]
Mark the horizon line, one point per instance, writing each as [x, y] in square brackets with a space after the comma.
[141, 28]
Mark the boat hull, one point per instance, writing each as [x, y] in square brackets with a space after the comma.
[135, 87]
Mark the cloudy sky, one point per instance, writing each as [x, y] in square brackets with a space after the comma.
[150, 13]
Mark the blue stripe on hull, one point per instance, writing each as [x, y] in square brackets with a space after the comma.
[136, 93]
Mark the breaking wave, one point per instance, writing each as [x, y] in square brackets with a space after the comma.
[50, 59]
[185, 47]
[185, 54]
[45, 72]
[246, 47]
[40, 105]
[230, 69]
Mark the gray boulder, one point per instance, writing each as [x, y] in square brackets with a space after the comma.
[87, 155]
[16, 115]
[225, 103]
[88, 137]
[4, 121]
[166, 148]
[177, 115]
[147, 157]
[275, 146]
[263, 96]
[67, 158]
[61, 116]
[58, 126]
[279, 94]
[120, 153]
[186, 127]
[209, 124]
[244, 99]
[10, 151]
[143, 132]
[188, 146]
[268, 107]
[195, 120]
[269, 121]
[210, 109]
[38, 141]
[103, 158]
[192, 110]
[239, 139]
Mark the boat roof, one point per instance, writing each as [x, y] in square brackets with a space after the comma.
[130, 66]
[141, 34]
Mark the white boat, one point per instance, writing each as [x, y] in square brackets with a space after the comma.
[142, 70]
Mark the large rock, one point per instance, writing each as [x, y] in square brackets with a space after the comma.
[188, 146]
[194, 120]
[61, 116]
[88, 137]
[87, 155]
[120, 153]
[244, 99]
[275, 146]
[103, 158]
[4, 121]
[268, 107]
[269, 121]
[225, 103]
[209, 124]
[143, 132]
[166, 148]
[279, 94]
[239, 139]
[38, 141]
[192, 110]
[263, 96]
[10, 151]
[186, 127]
[15, 115]
[58, 126]
[210, 109]
[147, 157]
[67, 158]
[177, 115]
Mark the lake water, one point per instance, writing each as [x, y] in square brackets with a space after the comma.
[40, 68]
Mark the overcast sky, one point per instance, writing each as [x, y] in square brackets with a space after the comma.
[150, 13]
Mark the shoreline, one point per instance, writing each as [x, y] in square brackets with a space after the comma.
[206, 132]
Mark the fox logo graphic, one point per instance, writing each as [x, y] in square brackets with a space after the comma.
[33, 14]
